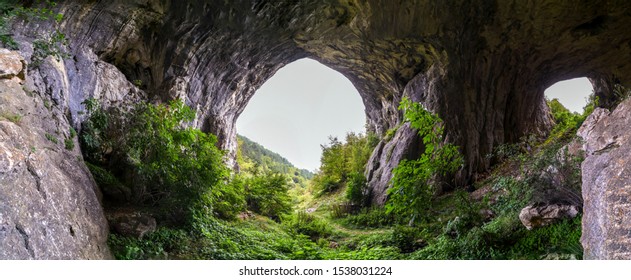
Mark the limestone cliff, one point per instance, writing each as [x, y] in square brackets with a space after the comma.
[48, 200]
[606, 189]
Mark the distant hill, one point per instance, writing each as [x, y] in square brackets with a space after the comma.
[252, 155]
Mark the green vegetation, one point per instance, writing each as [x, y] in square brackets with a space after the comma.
[69, 144]
[414, 181]
[268, 210]
[51, 45]
[178, 169]
[14, 118]
[343, 163]
[252, 157]
[51, 138]
[48, 44]
[147, 158]
[267, 195]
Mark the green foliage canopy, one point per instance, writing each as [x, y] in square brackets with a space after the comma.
[164, 163]
[342, 162]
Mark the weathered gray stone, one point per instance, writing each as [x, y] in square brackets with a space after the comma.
[606, 190]
[534, 216]
[49, 207]
[11, 65]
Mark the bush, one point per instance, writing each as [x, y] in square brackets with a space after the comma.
[566, 122]
[343, 161]
[307, 224]
[163, 163]
[561, 238]
[406, 238]
[267, 195]
[164, 243]
[230, 200]
[10, 10]
[93, 138]
[555, 175]
[371, 218]
[357, 192]
[413, 184]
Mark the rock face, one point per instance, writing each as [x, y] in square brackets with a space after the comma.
[539, 216]
[606, 175]
[49, 207]
[481, 66]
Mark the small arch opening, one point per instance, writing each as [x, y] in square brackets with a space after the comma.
[573, 94]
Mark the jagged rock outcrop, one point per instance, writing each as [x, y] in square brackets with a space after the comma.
[606, 175]
[481, 66]
[49, 207]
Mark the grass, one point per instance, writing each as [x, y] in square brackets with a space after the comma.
[455, 227]
[51, 138]
[69, 144]
[14, 118]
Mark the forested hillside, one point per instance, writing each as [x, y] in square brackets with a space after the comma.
[252, 155]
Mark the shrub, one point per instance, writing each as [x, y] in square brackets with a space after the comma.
[413, 180]
[51, 138]
[69, 144]
[406, 238]
[230, 199]
[371, 218]
[307, 224]
[340, 161]
[14, 118]
[163, 163]
[51, 45]
[267, 195]
[555, 175]
[94, 140]
[48, 44]
[357, 192]
[566, 122]
[561, 238]
[164, 243]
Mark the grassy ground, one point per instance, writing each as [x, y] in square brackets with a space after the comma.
[480, 225]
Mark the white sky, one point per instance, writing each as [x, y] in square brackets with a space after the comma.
[572, 93]
[298, 108]
[304, 102]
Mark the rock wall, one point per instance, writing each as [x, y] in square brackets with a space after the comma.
[606, 189]
[49, 207]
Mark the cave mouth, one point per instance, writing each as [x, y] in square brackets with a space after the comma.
[573, 94]
[297, 109]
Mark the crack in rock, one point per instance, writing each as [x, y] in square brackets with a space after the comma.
[25, 236]
[38, 180]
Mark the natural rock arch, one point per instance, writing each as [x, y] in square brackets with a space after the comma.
[482, 66]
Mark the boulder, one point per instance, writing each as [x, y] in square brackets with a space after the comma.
[12, 65]
[538, 216]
